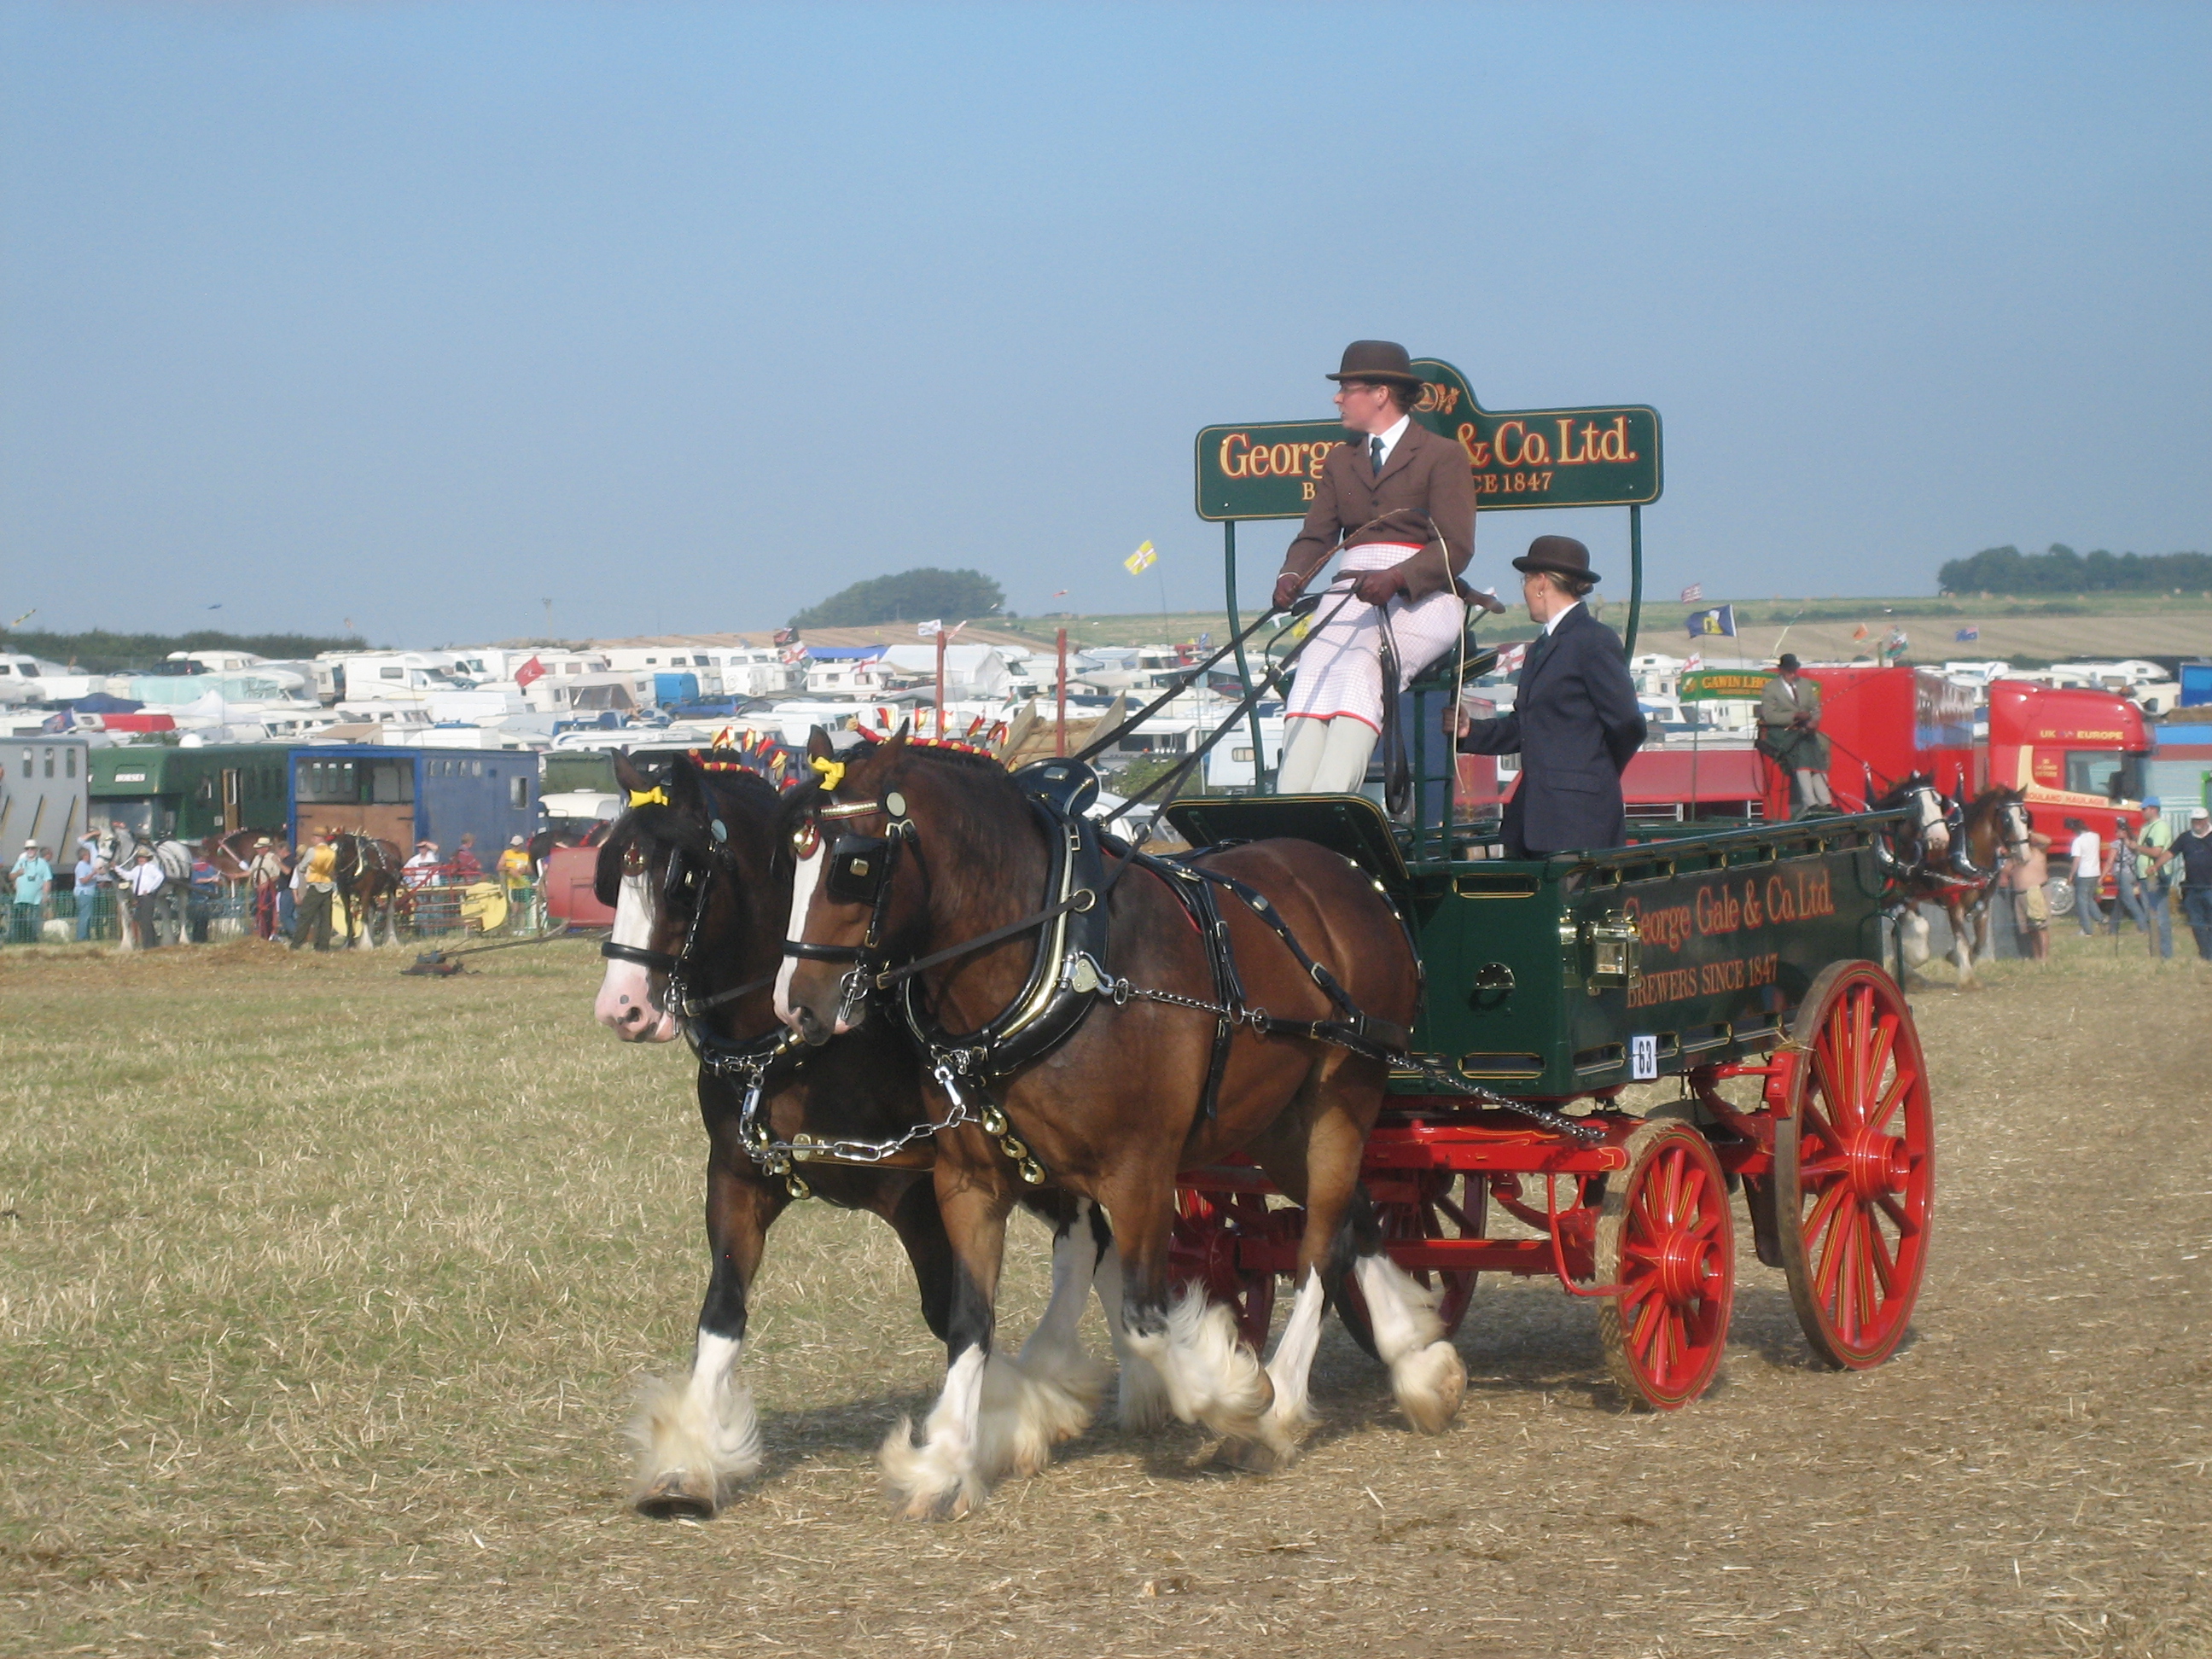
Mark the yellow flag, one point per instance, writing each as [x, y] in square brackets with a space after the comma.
[1140, 561]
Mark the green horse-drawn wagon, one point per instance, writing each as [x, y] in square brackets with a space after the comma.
[1740, 966]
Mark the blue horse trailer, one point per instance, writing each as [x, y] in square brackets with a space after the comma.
[404, 795]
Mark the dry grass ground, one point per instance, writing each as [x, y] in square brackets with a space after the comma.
[323, 1293]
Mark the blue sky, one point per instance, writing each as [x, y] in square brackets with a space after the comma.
[686, 316]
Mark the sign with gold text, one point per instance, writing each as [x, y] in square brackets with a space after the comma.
[1520, 458]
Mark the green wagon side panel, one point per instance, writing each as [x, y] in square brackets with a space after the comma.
[1730, 930]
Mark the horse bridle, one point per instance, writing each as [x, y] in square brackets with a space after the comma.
[859, 871]
[682, 877]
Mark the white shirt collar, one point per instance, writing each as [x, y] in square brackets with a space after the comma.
[1560, 616]
[1390, 438]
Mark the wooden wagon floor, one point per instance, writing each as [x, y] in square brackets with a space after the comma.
[323, 1293]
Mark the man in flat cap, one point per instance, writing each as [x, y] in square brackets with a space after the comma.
[1789, 735]
[1399, 501]
[1575, 719]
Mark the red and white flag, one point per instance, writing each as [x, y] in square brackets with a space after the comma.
[1694, 592]
[529, 673]
[1510, 657]
[1697, 661]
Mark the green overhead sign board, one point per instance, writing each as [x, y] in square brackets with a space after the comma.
[1722, 686]
[1520, 458]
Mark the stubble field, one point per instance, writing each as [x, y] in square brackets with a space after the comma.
[324, 1294]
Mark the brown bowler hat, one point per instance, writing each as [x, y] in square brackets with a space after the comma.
[1376, 360]
[1562, 554]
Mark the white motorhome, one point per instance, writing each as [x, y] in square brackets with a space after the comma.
[398, 676]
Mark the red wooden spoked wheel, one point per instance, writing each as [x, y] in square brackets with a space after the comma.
[1854, 1167]
[1202, 1251]
[1665, 1238]
[1447, 1206]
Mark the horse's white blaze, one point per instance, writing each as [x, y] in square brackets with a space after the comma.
[941, 1474]
[625, 999]
[802, 895]
[1211, 1377]
[1426, 1370]
[701, 1434]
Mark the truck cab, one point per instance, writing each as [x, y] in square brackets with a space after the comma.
[2073, 750]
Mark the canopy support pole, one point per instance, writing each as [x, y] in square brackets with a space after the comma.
[1243, 668]
[1635, 577]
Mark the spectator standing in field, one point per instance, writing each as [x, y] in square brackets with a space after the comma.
[201, 897]
[266, 874]
[2126, 897]
[318, 885]
[142, 882]
[2194, 851]
[34, 880]
[289, 860]
[93, 877]
[2087, 853]
[467, 870]
[2031, 904]
[421, 870]
[2154, 869]
[518, 873]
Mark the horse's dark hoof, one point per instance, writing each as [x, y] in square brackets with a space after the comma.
[678, 1495]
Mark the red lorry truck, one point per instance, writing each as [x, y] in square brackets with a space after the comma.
[2077, 753]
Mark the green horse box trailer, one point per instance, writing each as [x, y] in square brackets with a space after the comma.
[189, 794]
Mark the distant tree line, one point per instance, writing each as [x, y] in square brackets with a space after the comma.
[2060, 569]
[925, 594]
[99, 651]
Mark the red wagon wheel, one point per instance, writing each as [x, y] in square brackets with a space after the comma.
[1665, 1238]
[1202, 1251]
[1854, 1167]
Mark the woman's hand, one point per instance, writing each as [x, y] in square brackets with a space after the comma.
[1457, 721]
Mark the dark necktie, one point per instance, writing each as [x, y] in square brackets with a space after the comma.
[1375, 452]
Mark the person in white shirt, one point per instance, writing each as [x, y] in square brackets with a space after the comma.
[423, 869]
[2088, 854]
[143, 881]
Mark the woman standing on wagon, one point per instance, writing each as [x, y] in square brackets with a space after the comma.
[1399, 500]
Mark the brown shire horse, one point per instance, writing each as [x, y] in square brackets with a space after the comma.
[1951, 858]
[369, 885]
[699, 914]
[1115, 1110]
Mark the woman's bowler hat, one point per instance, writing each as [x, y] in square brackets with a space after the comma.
[1563, 555]
[1376, 360]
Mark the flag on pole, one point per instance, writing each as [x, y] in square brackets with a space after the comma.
[1140, 561]
[1859, 632]
[1510, 657]
[929, 629]
[1693, 592]
[528, 673]
[1969, 632]
[1720, 621]
[1696, 662]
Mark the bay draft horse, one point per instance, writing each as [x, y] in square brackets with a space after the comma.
[369, 886]
[699, 878]
[1951, 857]
[1114, 1111]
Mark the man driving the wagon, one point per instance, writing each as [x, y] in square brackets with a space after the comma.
[1575, 719]
[1399, 501]
[1789, 735]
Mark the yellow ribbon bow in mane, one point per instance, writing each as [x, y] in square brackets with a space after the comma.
[655, 796]
[832, 771]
